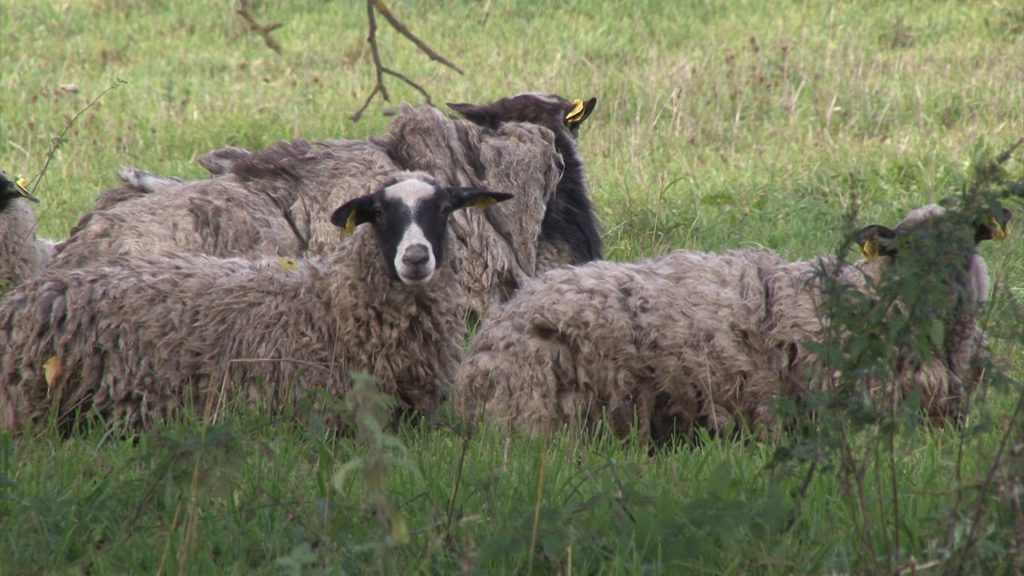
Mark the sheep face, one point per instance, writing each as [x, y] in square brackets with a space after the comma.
[917, 235]
[410, 218]
[548, 110]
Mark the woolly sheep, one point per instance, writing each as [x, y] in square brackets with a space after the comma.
[569, 232]
[702, 340]
[22, 253]
[134, 339]
[272, 202]
[244, 213]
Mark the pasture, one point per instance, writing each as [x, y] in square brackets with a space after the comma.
[718, 125]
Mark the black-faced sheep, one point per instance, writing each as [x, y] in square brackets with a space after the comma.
[569, 232]
[22, 253]
[707, 340]
[134, 339]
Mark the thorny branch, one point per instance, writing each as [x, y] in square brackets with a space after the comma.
[381, 8]
[254, 26]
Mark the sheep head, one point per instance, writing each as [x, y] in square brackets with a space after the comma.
[12, 189]
[942, 241]
[410, 217]
[548, 110]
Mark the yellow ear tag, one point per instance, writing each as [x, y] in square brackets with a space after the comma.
[575, 115]
[869, 249]
[484, 201]
[998, 232]
[289, 264]
[350, 224]
[22, 184]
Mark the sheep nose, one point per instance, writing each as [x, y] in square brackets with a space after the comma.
[416, 256]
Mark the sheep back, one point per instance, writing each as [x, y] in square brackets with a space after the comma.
[665, 342]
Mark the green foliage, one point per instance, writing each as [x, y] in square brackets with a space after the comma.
[719, 125]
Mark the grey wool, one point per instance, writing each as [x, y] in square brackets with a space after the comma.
[698, 340]
[495, 250]
[246, 213]
[276, 202]
[22, 253]
[134, 338]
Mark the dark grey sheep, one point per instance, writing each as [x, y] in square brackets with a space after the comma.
[569, 232]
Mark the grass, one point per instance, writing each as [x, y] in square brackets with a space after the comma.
[719, 124]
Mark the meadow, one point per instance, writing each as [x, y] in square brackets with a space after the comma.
[719, 124]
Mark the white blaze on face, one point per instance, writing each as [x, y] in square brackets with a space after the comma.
[410, 263]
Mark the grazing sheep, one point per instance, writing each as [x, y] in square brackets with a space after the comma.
[704, 340]
[134, 339]
[569, 232]
[22, 253]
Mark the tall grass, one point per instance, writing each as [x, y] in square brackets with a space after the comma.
[719, 124]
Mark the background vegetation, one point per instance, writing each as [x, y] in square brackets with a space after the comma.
[719, 124]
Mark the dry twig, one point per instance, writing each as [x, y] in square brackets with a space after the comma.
[381, 8]
[254, 26]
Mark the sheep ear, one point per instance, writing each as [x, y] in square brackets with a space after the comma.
[463, 197]
[480, 115]
[16, 187]
[352, 214]
[994, 227]
[580, 111]
[222, 160]
[875, 240]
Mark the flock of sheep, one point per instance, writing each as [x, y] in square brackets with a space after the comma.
[290, 268]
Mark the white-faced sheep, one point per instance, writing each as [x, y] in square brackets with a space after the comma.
[134, 339]
[22, 253]
[707, 340]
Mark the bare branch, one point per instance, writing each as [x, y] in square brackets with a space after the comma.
[254, 26]
[406, 79]
[380, 7]
[386, 13]
[61, 138]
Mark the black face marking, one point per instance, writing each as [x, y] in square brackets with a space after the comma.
[410, 219]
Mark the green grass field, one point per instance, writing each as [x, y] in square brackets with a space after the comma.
[719, 124]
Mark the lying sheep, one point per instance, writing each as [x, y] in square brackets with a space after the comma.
[707, 340]
[272, 202]
[134, 339]
[22, 253]
[569, 232]
[244, 213]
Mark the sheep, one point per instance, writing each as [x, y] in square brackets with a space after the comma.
[22, 253]
[569, 232]
[244, 213]
[135, 338]
[272, 202]
[708, 340]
